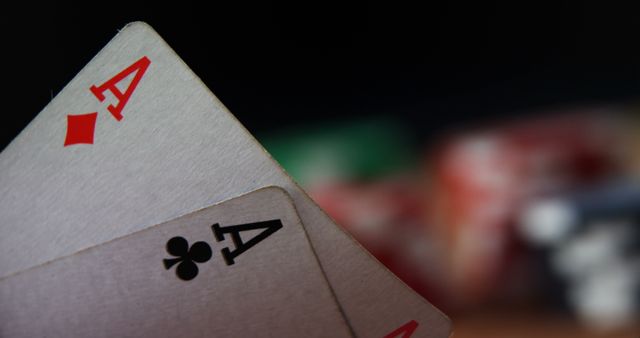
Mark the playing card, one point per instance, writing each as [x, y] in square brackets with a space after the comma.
[242, 268]
[136, 139]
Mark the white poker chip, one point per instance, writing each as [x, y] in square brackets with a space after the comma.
[548, 222]
[606, 300]
[591, 251]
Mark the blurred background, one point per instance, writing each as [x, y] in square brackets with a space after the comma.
[487, 154]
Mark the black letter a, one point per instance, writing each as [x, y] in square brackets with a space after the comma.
[269, 228]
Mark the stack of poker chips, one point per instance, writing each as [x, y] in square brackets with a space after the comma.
[592, 240]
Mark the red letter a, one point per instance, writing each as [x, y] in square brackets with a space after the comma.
[139, 67]
[404, 331]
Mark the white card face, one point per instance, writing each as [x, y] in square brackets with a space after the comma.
[164, 146]
[184, 278]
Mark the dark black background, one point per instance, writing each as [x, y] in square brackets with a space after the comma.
[275, 65]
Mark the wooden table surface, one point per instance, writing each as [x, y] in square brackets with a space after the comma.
[516, 324]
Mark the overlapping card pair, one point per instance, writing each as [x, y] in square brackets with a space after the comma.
[120, 216]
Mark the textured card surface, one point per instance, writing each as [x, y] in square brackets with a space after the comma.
[136, 139]
[243, 268]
